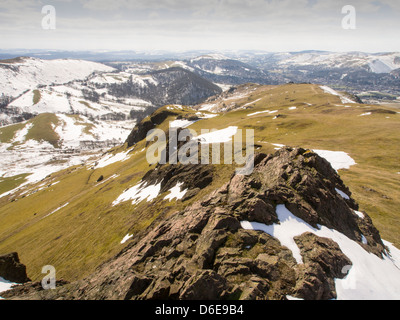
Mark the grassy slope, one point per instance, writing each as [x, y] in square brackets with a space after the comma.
[7, 133]
[10, 183]
[87, 231]
[36, 96]
[42, 129]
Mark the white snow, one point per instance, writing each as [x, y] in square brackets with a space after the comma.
[20, 135]
[40, 158]
[5, 285]
[219, 136]
[54, 211]
[266, 111]
[278, 146]
[126, 238]
[378, 66]
[247, 104]
[32, 72]
[365, 114]
[378, 63]
[343, 195]
[363, 239]
[175, 192]
[359, 213]
[292, 108]
[212, 56]
[292, 298]
[203, 115]
[369, 277]
[139, 193]
[181, 123]
[329, 90]
[338, 159]
[110, 159]
[207, 107]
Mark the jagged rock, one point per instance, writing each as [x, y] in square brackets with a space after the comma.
[34, 291]
[324, 252]
[203, 252]
[323, 261]
[191, 176]
[255, 289]
[204, 285]
[141, 129]
[12, 269]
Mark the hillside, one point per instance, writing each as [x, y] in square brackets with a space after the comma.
[49, 142]
[24, 73]
[118, 208]
[33, 86]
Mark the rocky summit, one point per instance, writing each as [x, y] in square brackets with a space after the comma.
[208, 250]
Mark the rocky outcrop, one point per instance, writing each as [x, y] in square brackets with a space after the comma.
[12, 269]
[140, 131]
[203, 252]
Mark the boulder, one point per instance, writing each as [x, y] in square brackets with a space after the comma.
[12, 269]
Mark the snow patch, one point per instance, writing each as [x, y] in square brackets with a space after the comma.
[369, 277]
[266, 111]
[54, 211]
[5, 285]
[176, 193]
[247, 104]
[359, 213]
[126, 238]
[219, 136]
[344, 99]
[110, 159]
[343, 195]
[337, 159]
[139, 193]
[183, 123]
[207, 107]
[203, 115]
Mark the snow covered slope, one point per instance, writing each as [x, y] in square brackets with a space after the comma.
[52, 142]
[21, 74]
[377, 63]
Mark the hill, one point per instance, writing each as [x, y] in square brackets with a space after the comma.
[118, 206]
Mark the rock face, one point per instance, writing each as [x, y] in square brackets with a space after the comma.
[11, 269]
[204, 253]
[141, 129]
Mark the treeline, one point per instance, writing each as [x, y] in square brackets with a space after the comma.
[4, 100]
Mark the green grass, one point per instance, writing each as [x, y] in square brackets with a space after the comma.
[85, 103]
[10, 183]
[42, 129]
[7, 133]
[36, 96]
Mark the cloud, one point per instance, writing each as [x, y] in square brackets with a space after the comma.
[254, 24]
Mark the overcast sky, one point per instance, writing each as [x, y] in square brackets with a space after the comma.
[178, 25]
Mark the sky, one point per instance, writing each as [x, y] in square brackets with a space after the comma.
[181, 25]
